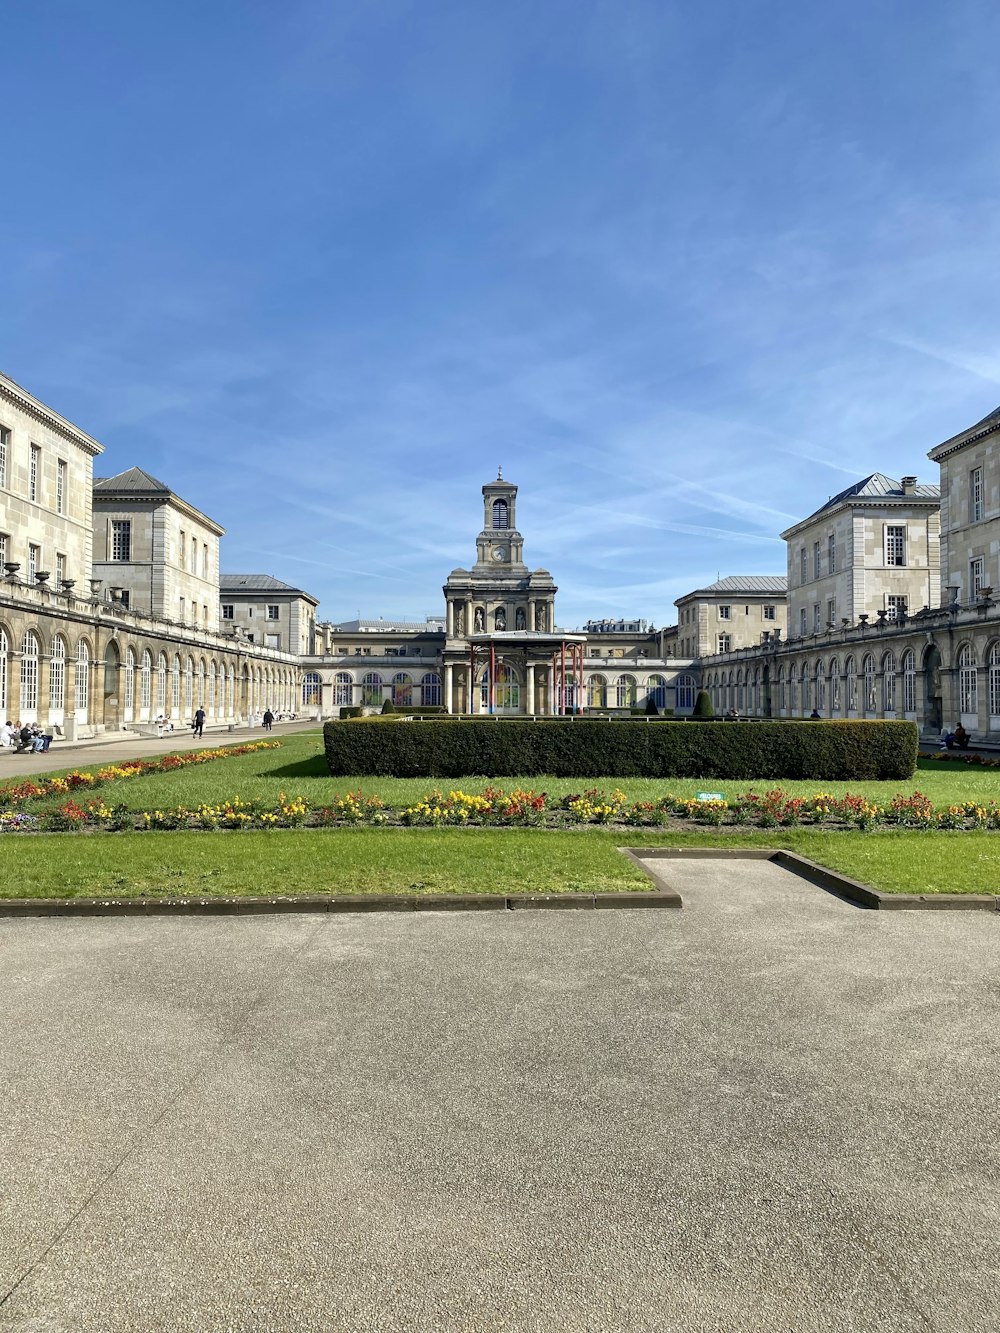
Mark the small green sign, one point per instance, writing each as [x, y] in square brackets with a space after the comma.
[710, 796]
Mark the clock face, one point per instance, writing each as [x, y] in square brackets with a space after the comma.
[499, 553]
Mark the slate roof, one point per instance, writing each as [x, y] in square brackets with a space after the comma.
[132, 479]
[435, 626]
[988, 420]
[750, 583]
[234, 583]
[880, 487]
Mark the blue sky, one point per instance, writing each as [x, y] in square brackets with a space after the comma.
[684, 270]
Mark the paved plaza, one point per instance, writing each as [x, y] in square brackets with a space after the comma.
[768, 1111]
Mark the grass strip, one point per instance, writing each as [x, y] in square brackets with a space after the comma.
[377, 861]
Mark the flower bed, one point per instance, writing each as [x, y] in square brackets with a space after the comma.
[516, 808]
[20, 793]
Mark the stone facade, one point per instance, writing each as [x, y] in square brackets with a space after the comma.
[155, 551]
[264, 610]
[75, 652]
[873, 549]
[736, 612]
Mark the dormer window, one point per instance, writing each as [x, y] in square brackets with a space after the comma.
[501, 518]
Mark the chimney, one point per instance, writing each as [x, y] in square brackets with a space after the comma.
[909, 485]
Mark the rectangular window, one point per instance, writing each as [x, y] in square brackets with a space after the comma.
[4, 450]
[817, 622]
[725, 642]
[769, 613]
[121, 539]
[976, 495]
[204, 614]
[33, 468]
[34, 561]
[802, 565]
[895, 607]
[831, 554]
[272, 640]
[3, 548]
[180, 609]
[204, 562]
[227, 611]
[273, 612]
[183, 549]
[815, 560]
[977, 576]
[724, 612]
[125, 597]
[194, 555]
[61, 486]
[831, 612]
[60, 568]
[803, 621]
[895, 545]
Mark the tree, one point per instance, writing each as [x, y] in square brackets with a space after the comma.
[703, 705]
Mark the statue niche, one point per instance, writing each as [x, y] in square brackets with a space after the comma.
[540, 618]
[500, 618]
[519, 618]
[480, 622]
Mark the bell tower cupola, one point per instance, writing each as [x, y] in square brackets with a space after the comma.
[500, 545]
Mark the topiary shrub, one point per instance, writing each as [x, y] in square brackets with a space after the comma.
[388, 706]
[651, 708]
[502, 747]
[350, 710]
[703, 705]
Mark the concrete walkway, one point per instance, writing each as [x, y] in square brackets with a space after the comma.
[111, 747]
[770, 1112]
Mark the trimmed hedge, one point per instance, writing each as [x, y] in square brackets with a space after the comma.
[501, 747]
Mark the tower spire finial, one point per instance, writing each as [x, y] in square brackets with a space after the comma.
[500, 473]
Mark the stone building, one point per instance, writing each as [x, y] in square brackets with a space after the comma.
[871, 550]
[499, 649]
[155, 551]
[735, 612]
[266, 611]
[86, 646]
[896, 548]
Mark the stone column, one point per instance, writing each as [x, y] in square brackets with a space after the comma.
[529, 673]
[531, 614]
[449, 672]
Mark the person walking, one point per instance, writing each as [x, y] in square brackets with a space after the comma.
[268, 719]
[199, 722]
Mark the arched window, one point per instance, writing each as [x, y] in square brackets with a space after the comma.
[888, 683]
[311, 690]
[201, 682]
[684, 692]
[430, 690]
[792, 692]
[129, 701]
[4, 650]
[230, 691]
[189, 687]
[506, 688]
[145, 683]
[597, 692]
[851, 671]
[656, 689]
[371, 690]
[57, 679]
[909, 681]
[501, 516]
[402, 690]
[161, 684]
[755, 692]
[213, 702]
[968, 698]
[834, 685]
[625, 691]
[741, 702]
[994, 678]
[782, 699]
[82, 680]
[30, 650]
[868, 670]
[175, 687]
[819, 689]
[804, 687]
[343, 690]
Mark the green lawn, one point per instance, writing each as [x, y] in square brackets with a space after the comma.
[299, 769]
[395, 860]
